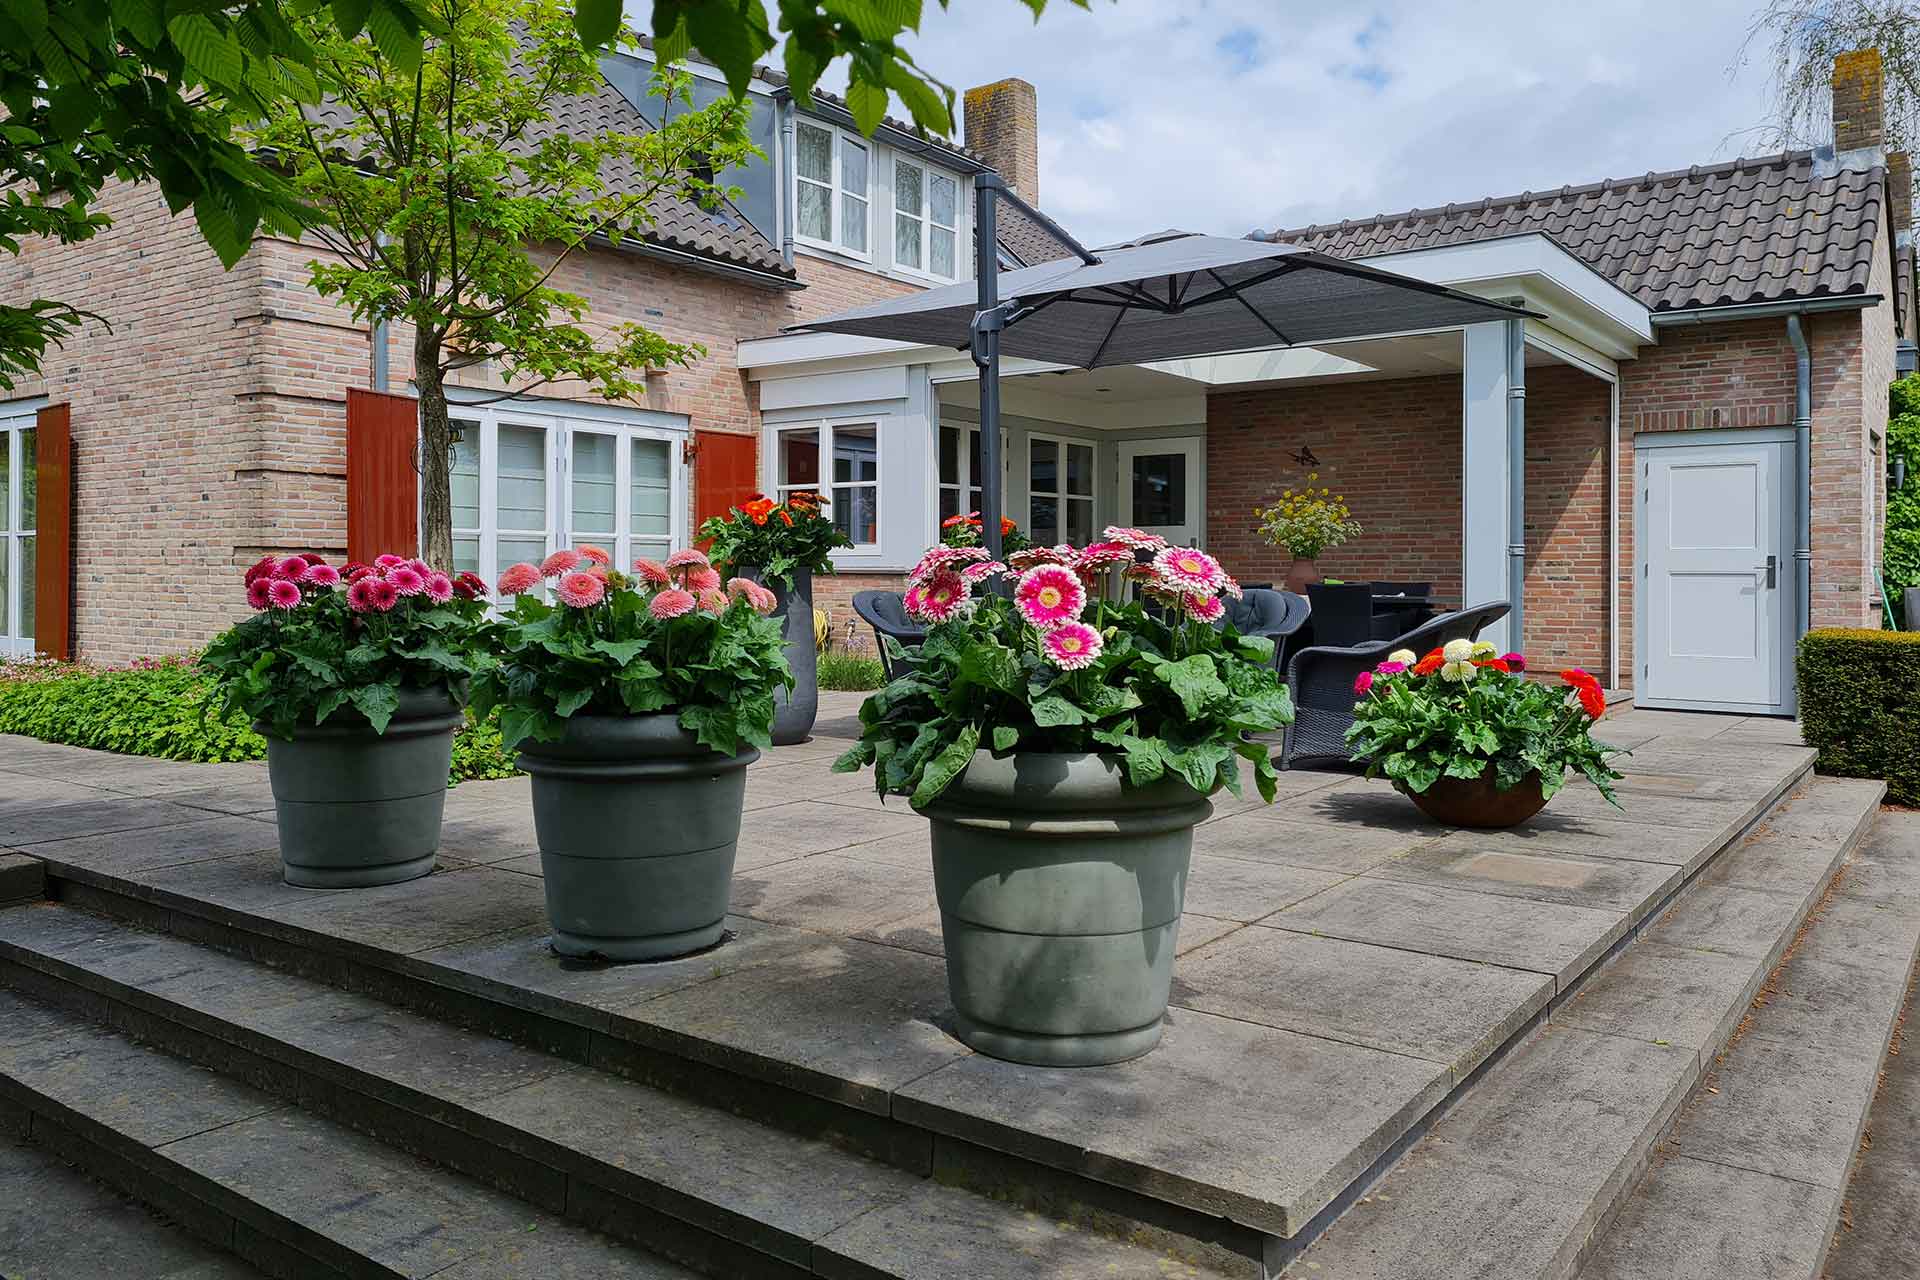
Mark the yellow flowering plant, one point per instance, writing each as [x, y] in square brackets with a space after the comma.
[1307, 521]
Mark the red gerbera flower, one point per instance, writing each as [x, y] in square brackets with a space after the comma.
[1429, 664]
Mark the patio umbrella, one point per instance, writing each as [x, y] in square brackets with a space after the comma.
[1165, 296]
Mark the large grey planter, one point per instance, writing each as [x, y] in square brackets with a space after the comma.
[637, 825]
[1060, 894]
[794, 710]
[358, 808]
[1910, 606]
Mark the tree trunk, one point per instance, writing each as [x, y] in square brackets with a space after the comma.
[436, 454]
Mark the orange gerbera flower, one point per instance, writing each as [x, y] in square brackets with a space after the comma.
[1006, 526]
[759, 509]
[1429, 664]
[787, 516]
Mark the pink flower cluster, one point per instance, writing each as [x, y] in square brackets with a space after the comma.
[583, 576]
[283, 583]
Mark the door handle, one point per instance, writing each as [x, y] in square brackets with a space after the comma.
[1772, 569]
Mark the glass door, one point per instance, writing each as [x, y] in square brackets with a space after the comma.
[1160, 488]
[18, 515]
[650, 497]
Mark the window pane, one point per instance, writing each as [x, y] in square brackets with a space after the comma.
[1080, 469]
[1043, 520]
[29, 490]
[520, 550]
[1043, 468]
[466, 555]
[1160, 489]
[6, 478]
[652, 496]
[856, 455]
[815, 158]
[799, 458]
[29, 559]
[594, 480]
[973, 458]
[6, 554]
[950, 503]
[949, 455]
[855, 513]
[816, 212]
[942, 198]
[853, 224]
[907, 184]
[940, 260]
[906, 241]
[1079, 521]
[520, 490]
[853, 167]
[652, 548]
[466, 477]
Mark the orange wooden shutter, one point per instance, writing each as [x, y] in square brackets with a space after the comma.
[726, 472]
[53, 530]
[383, 490]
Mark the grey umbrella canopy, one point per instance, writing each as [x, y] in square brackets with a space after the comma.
[1173, 295]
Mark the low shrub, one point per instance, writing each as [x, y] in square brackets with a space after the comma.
[153, 708]
[1860, 706]
[850, 672]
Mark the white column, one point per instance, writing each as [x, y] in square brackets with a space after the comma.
[1483, 488]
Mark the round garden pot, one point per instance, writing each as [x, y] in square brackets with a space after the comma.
[1060, 894]
[1476, 802]
[358, 808]
[637, 825]
[794, 710]
[1301, 574]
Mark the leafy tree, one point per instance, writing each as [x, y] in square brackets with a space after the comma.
[1900, 561]
[448, 202]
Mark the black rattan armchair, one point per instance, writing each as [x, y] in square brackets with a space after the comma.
[886, 613]
[1321, 679]
[1273, 614]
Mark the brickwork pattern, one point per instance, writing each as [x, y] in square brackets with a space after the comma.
[1002, 122]
[1859, 100]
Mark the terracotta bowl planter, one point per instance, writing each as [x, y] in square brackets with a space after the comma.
[1462, 802]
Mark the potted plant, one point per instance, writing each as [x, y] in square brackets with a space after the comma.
[964, 531]
[1468, 738]
[1063, 745]
[637, 703]
[781, 545]
[1306, 522]
[356, 679]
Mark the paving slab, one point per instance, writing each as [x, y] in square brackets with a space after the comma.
[562, 1251]
[1518, 933]
[488, 833]
[1695, 1220]
[1733, 921]
[23, 830]
[447, 906]
[921, 932]
[1663, 994]
[22, 877]
[1453, 1012]
[1175, 1123]
[783, 832]
[831, 894]
[1264, 837]
[195, 841]
[1235, 889]
[1820, 998]
[1611, 884]
[1685, 847]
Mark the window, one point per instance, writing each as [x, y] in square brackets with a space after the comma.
[926, 210]
[831, 188]
[852, 485]
[523, 487]
[18, 545]
[959, 448]
[1059, 491]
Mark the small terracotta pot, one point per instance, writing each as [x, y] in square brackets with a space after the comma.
[1462, 802]
[1301, 573]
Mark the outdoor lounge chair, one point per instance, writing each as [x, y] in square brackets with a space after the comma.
[886, 613]
[1321, 679]
[1273, 614]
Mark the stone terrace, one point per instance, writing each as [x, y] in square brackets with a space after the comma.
[1345, 965]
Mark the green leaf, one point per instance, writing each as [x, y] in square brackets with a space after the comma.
[1005, 737]
[597, 21]
[1053, 711]
[210, 53]
[868, 103]
[377, 702]
[1195, 681]
[622, 651]
[946, 766]
[396, 33]
[572, 700]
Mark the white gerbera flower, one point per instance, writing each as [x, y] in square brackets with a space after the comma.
[1406, 657]
[1458, 672]
[1457, 651]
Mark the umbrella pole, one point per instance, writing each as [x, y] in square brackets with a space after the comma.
[985, 341]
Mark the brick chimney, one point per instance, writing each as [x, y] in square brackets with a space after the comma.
[1900, 196]
[1003, 126]
[1859, 102]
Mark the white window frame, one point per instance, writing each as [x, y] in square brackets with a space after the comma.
[1060, 494]
[823, 429]
[925, 218]
[969, 434]
[560, 428]
[13, 429]
[836, 207]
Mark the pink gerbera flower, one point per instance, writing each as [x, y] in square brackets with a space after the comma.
[671, 603]
[320, 575]
[407, 580]
[689, 558]
[388, 561]
[360, 594]
[595, 555]
[439, 588]
[1133, 537]
[420, 567]
[282, 594]
[1190, 569]
[1050, 595]
[385, 595]
[943, 596]
[1034, 557]
[257, 593]
[259, 569]
[713, 600]
[291, 568]
[518, 580]
[1362, 684]
[940, 556]
[1514, 661]
[980, 570]
[1389, 668]
[653, 572]
[561, 561]
[353, 570]
[1073, 645]
[1104, 555]
[580, 590]
[1204, 608]
[703, 578]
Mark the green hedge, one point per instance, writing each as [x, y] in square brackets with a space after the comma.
[153, 709]
[849, 672]
[1860, 706]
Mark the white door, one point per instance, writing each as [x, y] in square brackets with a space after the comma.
[1717, 574]
[1160, 488]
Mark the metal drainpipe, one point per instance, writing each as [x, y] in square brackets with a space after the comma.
[783, 190]
[1517, 480]
[1803, 473]
[377, 335]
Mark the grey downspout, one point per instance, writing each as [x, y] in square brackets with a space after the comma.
[784, 192]
[1517, 480]
[1803, 478]
[377, 373]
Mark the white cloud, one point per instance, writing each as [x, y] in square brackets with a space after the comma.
[1227, 115]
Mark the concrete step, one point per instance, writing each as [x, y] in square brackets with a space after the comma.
[695, 1183]
[291, 1193]
[1751, 1181]
[1530, 1163]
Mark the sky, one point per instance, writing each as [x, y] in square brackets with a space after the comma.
[1224, 116]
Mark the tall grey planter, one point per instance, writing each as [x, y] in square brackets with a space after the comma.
[1060, 893]
[358, 808]
[637, 825]
[794, 710]
[1910, 605]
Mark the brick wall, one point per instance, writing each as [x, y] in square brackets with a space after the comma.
[1567, 519]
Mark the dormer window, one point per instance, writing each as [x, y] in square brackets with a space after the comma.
[926, 211]
[832, 201]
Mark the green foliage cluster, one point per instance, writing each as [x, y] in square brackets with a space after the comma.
[1901, 559]
[776, 538]
[1165, 696]
[1859, 691]
[849, 672]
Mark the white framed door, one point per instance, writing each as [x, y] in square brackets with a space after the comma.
[1716, 573]
[1161, 488]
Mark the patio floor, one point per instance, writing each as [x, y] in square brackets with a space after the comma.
[1345, 964]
